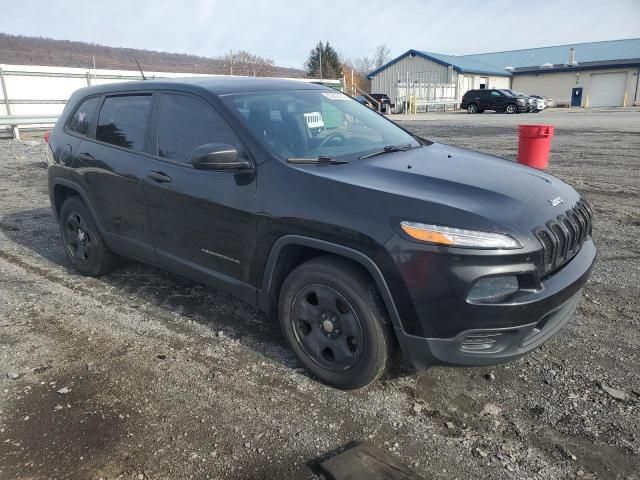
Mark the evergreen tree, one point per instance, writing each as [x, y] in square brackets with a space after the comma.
[331, 63]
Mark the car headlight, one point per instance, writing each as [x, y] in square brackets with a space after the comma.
[458, 237]
[521, 101]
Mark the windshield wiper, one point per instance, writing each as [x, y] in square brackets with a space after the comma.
[388, 149]
[321, 160]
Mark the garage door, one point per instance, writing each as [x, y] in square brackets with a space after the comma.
[607, 89]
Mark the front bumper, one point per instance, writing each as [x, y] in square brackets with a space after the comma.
[496, 333]
[498, 344]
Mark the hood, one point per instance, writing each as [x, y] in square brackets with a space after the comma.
[498, 190]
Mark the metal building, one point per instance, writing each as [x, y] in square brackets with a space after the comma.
[433, 80]
[585, 74]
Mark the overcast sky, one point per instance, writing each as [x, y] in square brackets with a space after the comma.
[285, 30]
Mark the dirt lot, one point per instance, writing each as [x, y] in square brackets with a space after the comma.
[142, 374]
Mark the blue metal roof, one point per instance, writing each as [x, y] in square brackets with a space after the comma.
[468, 64]
[585, 52]
[494, 63]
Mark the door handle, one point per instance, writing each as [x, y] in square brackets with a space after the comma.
[86, 157]
[159, 177]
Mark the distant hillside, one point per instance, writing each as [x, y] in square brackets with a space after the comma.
[63, 53]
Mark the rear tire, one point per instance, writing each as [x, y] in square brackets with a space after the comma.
[82, 242]
[334, 321]
[472, 108]
[511, 109]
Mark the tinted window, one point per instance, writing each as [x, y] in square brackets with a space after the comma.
[314, 122]
[185, 123]
[123, 120]
[83, 116]
[495, 93]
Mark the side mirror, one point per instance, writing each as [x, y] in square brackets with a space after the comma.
[218, 156]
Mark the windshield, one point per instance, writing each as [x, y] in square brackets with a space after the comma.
[314, 123]
[513, 94]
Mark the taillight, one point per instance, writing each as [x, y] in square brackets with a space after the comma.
[46, 136]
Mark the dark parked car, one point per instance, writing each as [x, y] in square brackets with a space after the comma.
[477, 101]
[385, 101]
[361, 237]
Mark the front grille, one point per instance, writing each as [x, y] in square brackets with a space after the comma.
[562, 237]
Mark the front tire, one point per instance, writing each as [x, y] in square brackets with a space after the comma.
[83, 244]
[511, 109]
[333, 320]
[472, 108]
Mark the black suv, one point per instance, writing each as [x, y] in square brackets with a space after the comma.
[361, 237]
[477, 101]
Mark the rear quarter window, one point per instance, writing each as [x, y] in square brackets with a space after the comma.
[82, 118]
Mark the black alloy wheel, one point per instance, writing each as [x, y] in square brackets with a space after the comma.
[511, 108]
[82, 241]
[77, 237]
[327, 328]
[334, 320]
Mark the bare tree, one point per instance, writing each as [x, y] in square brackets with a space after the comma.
[381, 56]
[242, 62]
[362, 66]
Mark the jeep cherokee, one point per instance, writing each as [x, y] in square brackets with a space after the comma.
[361, 236]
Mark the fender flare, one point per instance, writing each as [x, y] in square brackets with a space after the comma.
[334, 248]
[81, 192]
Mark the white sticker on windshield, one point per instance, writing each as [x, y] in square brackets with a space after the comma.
[335, 96]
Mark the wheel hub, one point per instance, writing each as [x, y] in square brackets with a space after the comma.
[327, 326]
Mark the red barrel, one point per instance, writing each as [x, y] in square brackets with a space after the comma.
[534, 143]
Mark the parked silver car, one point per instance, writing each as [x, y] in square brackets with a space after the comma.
[548, 102]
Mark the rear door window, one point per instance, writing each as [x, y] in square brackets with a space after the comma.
[83, 117]
[185, 123]
[123, 121]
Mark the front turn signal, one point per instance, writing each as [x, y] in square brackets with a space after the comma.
[458, 237]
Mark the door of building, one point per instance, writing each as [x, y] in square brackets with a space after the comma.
[576, 97]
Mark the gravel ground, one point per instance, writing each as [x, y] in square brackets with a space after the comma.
[143, 374]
